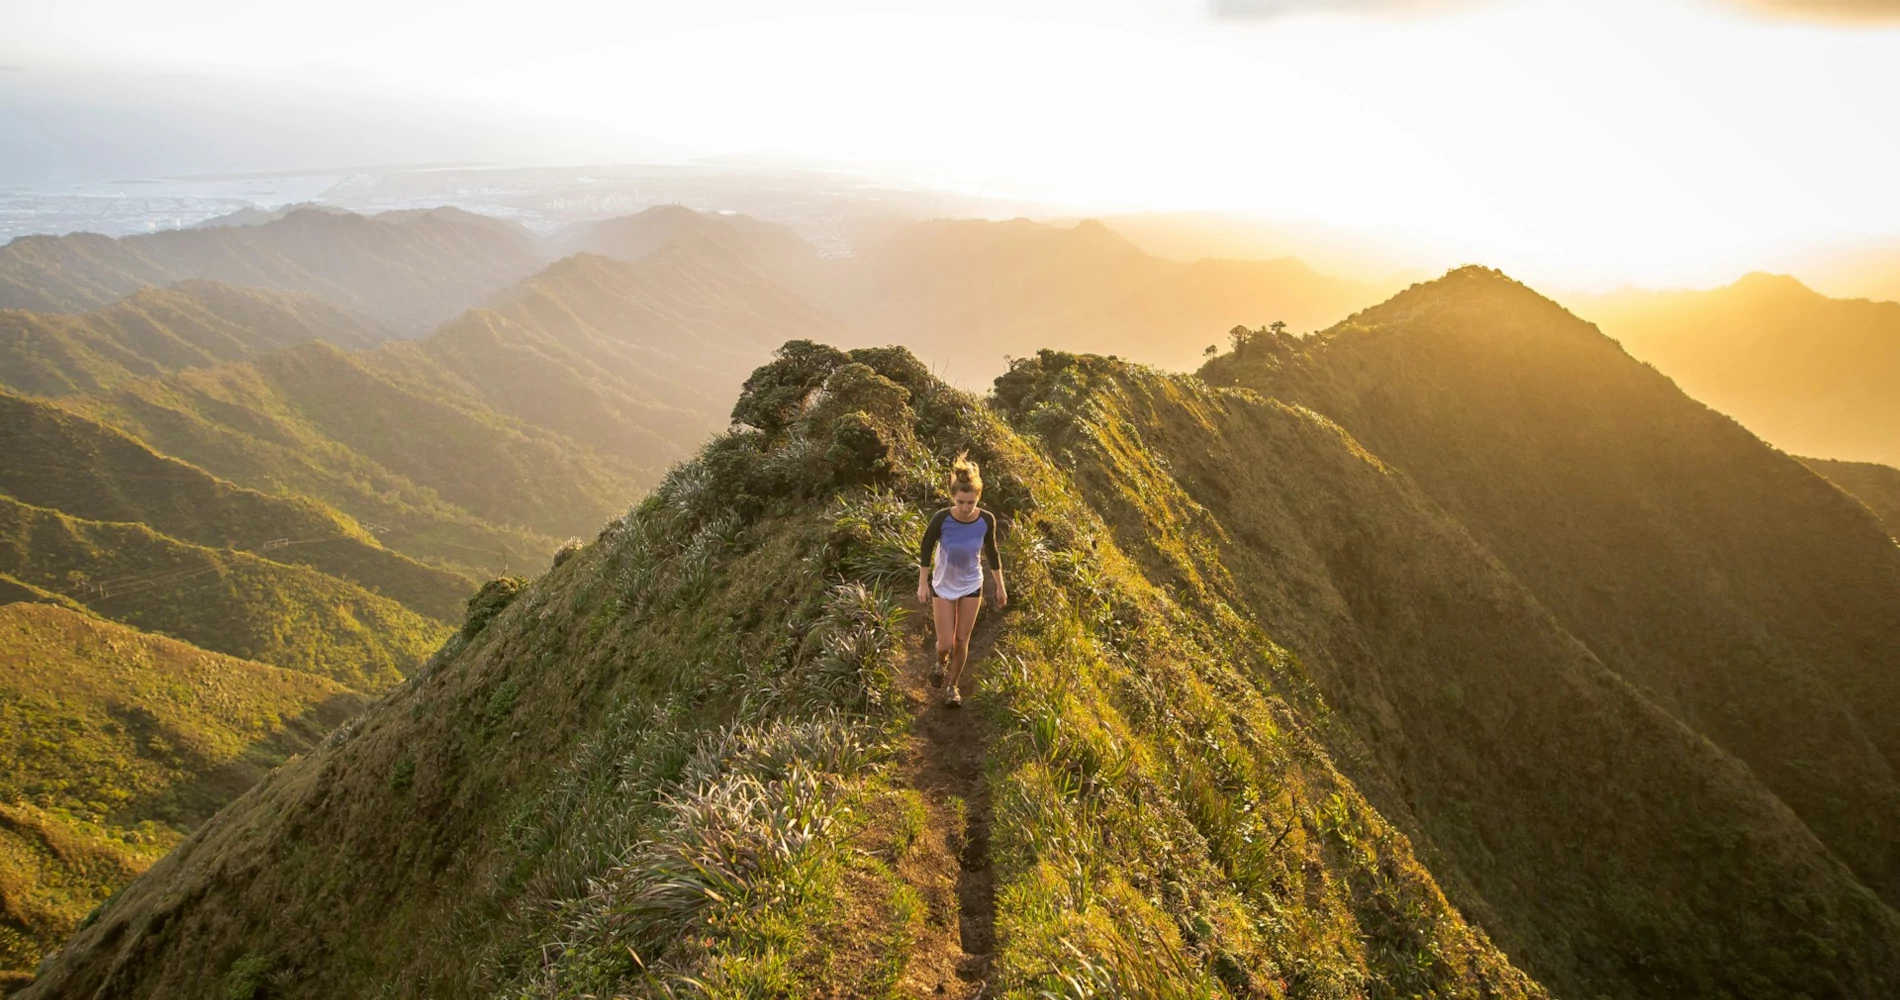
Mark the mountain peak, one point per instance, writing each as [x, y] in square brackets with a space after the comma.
[1466, 290]
[1765, 283]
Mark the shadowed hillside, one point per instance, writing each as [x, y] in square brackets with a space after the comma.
[1809, 374]
[113, 745]
[232, 602]
[158, 330]
[408, 270]
[966, 293]
[640, 359]
[1735, 588]
[65, 462]
[1877, 486]
[1247, 671]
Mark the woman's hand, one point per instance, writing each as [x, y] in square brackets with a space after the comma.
[1002, 593]
[923, 594]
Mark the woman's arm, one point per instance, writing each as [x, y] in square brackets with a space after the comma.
[926, 550]
[993, 556]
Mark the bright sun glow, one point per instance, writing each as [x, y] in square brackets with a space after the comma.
[1658, 141]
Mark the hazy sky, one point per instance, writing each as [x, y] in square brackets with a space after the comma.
[1666, 140]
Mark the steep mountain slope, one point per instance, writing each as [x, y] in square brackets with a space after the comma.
[1809, 374]
[232, 602]
[408, 270]
[1735, 588]
[696, 686]
[59, 460]
[1608, 849]
[113, 745]
[640, 773]
[156, 330]
[1877, 486]
[965, 293]
[639, 359]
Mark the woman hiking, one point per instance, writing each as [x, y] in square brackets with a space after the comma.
[961, 539]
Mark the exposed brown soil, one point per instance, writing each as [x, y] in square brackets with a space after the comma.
[949, 866]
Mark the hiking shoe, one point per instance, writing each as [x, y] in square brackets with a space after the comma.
[955, 699]
[936, 675]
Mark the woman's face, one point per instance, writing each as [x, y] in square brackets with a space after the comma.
[964, 504]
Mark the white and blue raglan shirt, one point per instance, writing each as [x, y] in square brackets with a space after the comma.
[961, 549]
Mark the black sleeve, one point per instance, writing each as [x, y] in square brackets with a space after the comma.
[931, 535]
[989, 543]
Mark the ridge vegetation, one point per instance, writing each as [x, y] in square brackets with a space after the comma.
[1266, 717]
[1877, 486]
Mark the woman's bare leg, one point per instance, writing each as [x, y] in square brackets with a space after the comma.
[945, 613]
[966, 608]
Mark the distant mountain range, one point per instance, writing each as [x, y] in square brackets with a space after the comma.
[965, 293]
[1810, 374]
[408, 270]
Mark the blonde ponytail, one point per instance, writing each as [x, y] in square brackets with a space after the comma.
[965, 476]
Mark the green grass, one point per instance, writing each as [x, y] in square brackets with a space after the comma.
[113, 744]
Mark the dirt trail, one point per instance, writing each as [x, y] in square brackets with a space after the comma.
[950, 865]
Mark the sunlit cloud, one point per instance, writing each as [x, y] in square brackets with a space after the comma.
[1862, 11]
